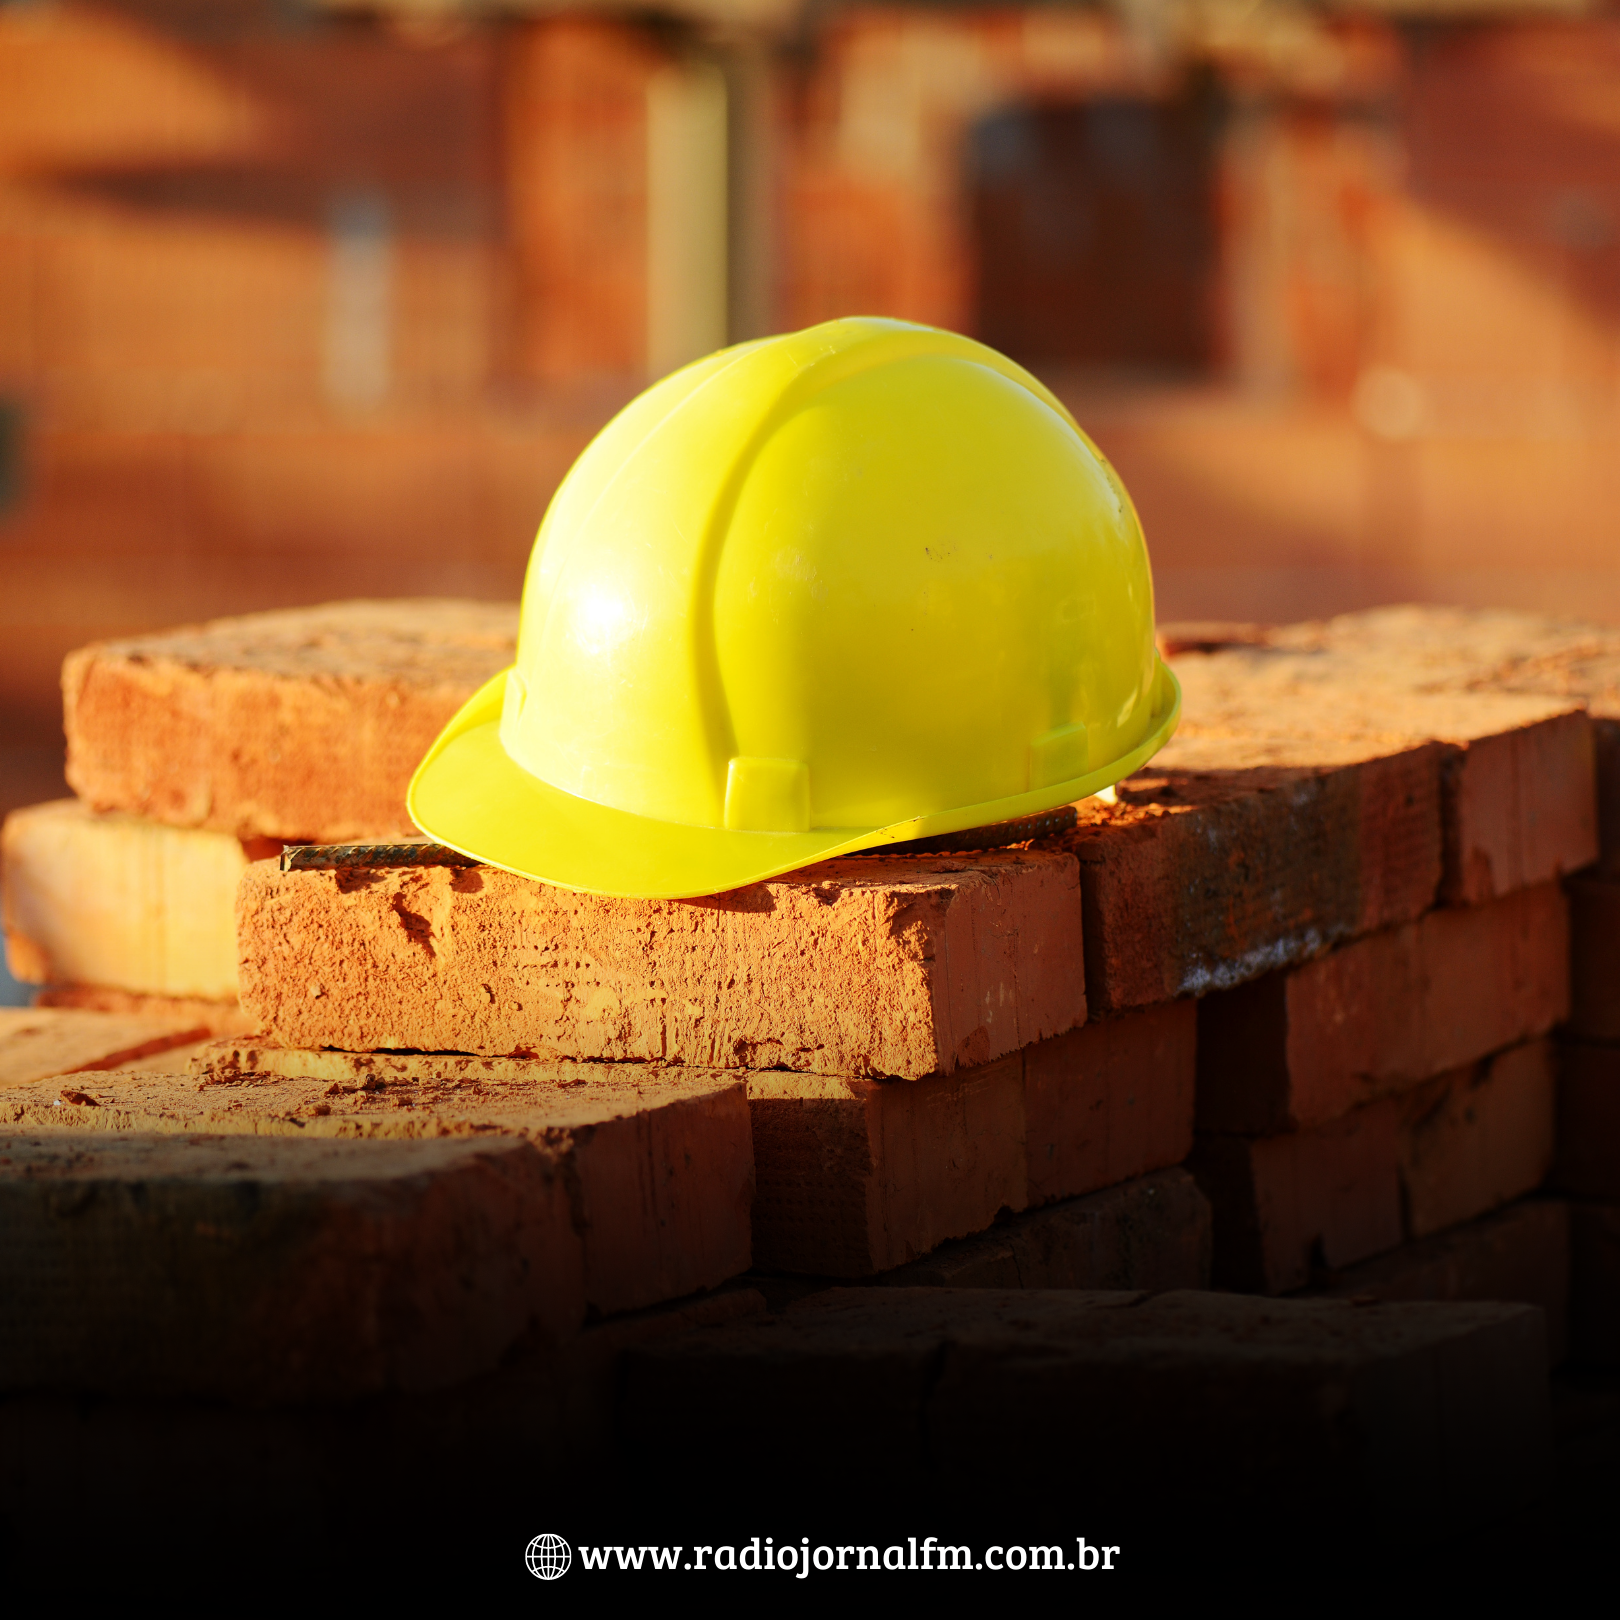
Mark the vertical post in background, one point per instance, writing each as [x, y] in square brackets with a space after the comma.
[751, 190]
[687, 210]
[1257, 226]
[358, 360]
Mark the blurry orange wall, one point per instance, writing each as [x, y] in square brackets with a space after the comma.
[294, 312]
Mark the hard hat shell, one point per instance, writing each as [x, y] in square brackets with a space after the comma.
[854, 585]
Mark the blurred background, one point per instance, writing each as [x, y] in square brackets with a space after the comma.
[304, 299]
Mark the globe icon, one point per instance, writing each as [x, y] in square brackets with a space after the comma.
[548, 1557]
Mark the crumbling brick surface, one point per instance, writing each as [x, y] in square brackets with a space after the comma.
[302, 724]
[857, 1176]
[1150, 1232]
[1321, 789]
[903, 966]
[1196, 880]
[37, 1044]
[1594, 907]
[1405, 1413]
[1519, 1253]
[657, 1163]
[267, 1270]
[1302, 1047]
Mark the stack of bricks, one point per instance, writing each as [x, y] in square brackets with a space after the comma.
[1536, 659]
[1276, 1015]
[1363, 888]
[334, 1224]
[195, 752]
[911, 1032]
[1282, 1013]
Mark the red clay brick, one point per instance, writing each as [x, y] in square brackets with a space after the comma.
[1519, 1253]
[857, 1176]
[1588, 1163]
[1109, 1101]
[1529, 822]
[1375, 1016]
[41, 1043]
[1197, 880]
[1151, 1232]
[1300, 1203]
[1594, 918]
[1292, 1206]
[1520, 788]
[904, 966]
[1475, 1139]
[1323, 787]
[121, 901]
[657, 1163]
[1521, 807]
[304, 724]
[262, 1269]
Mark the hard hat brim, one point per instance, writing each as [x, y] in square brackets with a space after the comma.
[468, 793]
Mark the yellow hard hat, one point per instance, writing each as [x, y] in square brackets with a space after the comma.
[852, 586]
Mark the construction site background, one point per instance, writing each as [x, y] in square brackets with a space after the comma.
[300, 302]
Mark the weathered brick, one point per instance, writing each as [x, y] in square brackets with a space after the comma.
[263, 1269]
[1594, 919]
[1474, 1139]
[857, 1176]
[902, 966]
[302, 724]
[1196, 880]
[657, 1163]
[121, 902]
[1264, 836]
[1292, 1206]
[1393, 1414]
[1519, 802]
[1151, 1232]
[45, 1042]
[1588, 1159]
[1520, 1253]
[1301, 1047]
[1452, 649]
[1313, 794]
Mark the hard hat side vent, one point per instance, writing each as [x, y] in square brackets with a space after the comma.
[767, 795]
